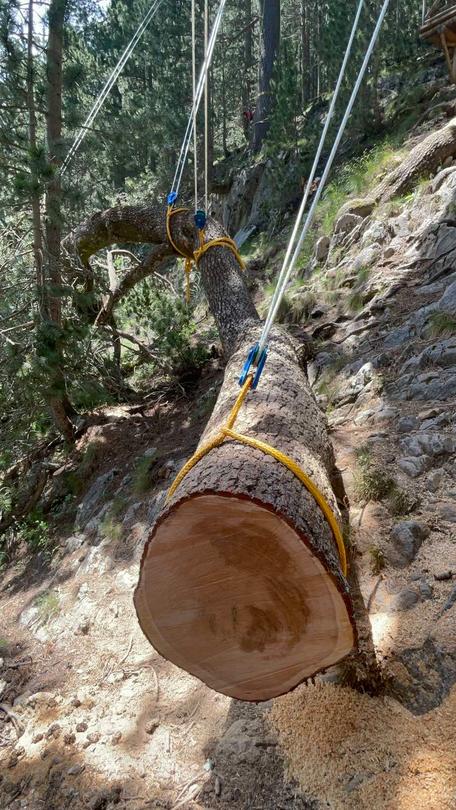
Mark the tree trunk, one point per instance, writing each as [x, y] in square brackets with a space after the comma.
[36, 212]
[424, 158]
[248, 59]
[241, 581]
[61, 408]
[269, 50]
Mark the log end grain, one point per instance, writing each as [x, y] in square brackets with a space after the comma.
[232, 593]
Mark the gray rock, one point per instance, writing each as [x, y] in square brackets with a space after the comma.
[447, 302]
[431, 444]
[74, 542]
[447, 511]
[322, 249]
[404, 600]
[97, 561]
[131, 514]
[384, 414]
[413, 466]
[377, 232]
[426, 589]
[94, 498]
[442, 353]
[450, 601]
[407, 537]
[407, 423]
[434, 480]
[366, 257]
[426, 387]
[362, 208]
[438, 421]
[347, 222]
[399, 226]
[441, 178]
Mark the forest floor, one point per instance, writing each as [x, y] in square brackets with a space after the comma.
[92, 717]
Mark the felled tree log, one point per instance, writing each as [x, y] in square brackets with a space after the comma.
[424, 158]
[241, 581]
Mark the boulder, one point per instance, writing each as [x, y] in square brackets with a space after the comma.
[407, 537]
[447, 302]
[347, 223]
[322, 249]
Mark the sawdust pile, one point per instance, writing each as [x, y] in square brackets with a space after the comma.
[353, 751]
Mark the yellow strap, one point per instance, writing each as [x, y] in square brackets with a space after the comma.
[222, 241]
[227, 431]
[171, 212]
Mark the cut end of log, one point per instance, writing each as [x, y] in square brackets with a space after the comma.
[231, 593]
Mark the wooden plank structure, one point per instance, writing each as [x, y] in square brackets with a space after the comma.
[439, 29]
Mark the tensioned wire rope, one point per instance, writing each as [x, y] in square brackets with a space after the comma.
[314, 168]
[182, 159]
[286, 271]
[109, 85]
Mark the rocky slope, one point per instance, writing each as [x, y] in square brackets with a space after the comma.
[91, 716]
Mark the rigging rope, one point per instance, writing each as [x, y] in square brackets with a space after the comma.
[198, 96]
[206, 109]
[314, 168]
[310, 216]
[226, 431]
[194, 110]
[109, 85]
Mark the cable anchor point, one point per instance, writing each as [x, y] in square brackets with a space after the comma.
[257, 360]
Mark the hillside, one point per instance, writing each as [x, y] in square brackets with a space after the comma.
[90, 715]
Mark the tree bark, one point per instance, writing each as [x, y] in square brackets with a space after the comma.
[59, 404]
[269, 50]
[248, 59]
[241, 581]
[424, 158]
[36, 212]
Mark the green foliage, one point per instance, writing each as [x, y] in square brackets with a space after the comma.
[400, 502]
[372, 482]
[35, 532]
[172, 326]
[48, 604]
[441, 324]
[111, 529]
[143, 474]
[377, 560]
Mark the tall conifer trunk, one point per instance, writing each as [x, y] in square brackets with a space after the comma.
[58, 401]
[269, 51]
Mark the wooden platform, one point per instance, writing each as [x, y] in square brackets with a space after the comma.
[439, 29]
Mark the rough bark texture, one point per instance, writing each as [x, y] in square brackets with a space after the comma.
[61, 409]
[282, 412]
[269, 50]
[425, 157]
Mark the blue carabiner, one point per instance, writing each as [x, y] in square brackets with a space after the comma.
[200, 219]
[171, 198]
[248, 364]
[259, 362]
[260, 367]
